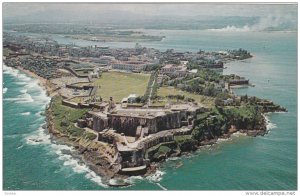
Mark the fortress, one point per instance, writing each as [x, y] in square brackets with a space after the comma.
[134, 130]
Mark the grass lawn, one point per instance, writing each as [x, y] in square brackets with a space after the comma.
[6, 51]
[201, 99]
[77, 99]
[119, 85]
[68, 116]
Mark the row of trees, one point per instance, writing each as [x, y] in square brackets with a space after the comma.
[240, 54]
[155, 87]
[204, 83]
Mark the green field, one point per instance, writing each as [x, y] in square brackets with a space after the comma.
[6, 51]
[119, 85]
[77, 99]
[204, 100]
[64, 117]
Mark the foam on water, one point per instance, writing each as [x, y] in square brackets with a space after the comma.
[172, 158]
[42, 98]
[31, 92]
[4, 90]
[153, 178]
[10, 71]
[23, 98]
[21, 83]
[25, 113]
[13, 136]
[95, 178]
[39, 137]
[270, 125]
[16, 73]
[221, 140]
[38, 114]
[162, 187]
[132, 179]
[33, 84]
[19, 147]
[113, 181]
[24, 78]
[238, 134]
[23, 91]
[156, 177]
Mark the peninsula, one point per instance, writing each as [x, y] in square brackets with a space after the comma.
[127, 109]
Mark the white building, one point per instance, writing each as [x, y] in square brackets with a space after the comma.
[171, 69]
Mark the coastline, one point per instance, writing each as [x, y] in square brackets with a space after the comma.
[257, 159]
[56, 135]
[107, 174]
[60, 138]
[42, 82]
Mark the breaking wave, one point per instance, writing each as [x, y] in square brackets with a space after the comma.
[131, 180]
[42, 98]
[270, 125]
[76, 165]
[21, 83]
[95, 178]
[23, 91]
[156, 177]
[38, 114]
[32, 92]
[23, 98]
[222, 140]
[4, 90]
[20, 147]
[162, 187]
[37, 94]
[10, 70]
[39, 137]
[153, 178]
[172, 158]
[25, 113]
[16, 73]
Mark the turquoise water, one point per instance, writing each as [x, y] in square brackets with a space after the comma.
[241, 163]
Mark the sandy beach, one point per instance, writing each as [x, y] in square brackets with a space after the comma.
[41, 81]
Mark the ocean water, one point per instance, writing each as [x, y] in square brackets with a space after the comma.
[240, 163]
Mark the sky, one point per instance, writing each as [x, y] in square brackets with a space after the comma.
[275, 14]
[143, 9]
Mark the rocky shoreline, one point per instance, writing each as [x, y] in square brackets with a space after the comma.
[107, 173]
[82, 152]
[91, 157]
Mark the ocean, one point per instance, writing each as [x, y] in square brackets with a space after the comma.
[239, 163]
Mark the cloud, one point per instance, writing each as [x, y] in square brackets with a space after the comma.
[159, 8]
[269, 22]
[139, 11]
